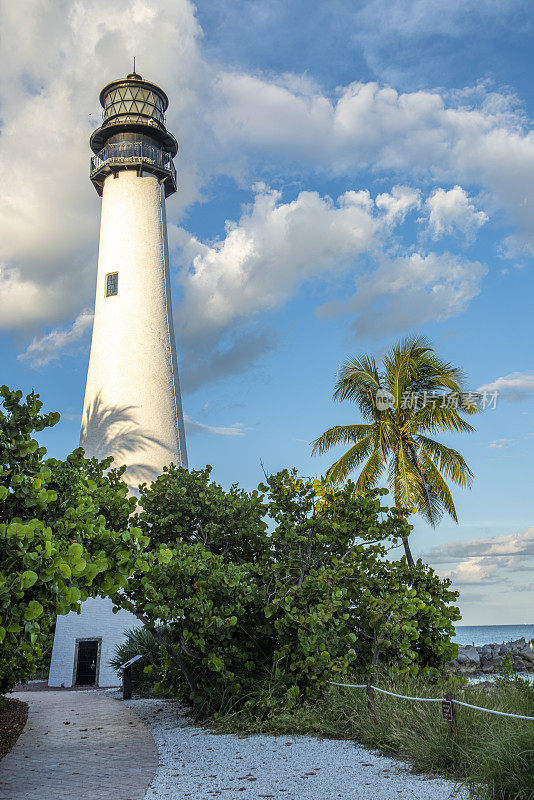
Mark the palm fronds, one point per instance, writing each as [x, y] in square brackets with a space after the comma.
[427, 398]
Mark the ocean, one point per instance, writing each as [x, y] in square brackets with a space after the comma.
[488, 634]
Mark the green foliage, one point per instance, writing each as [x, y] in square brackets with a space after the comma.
[188, 506]
[299, 595]
[78, 476]
[55, 547]
[503, 764]
[509, 680]
[506, 670]
[502, 768]
[41, 666]
[149, 669]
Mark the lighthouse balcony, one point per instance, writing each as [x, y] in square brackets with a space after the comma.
[142, 156]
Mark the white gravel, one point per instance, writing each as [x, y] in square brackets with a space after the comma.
[198, 764]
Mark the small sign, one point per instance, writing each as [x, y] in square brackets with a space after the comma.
[131, 661]
[446, 710]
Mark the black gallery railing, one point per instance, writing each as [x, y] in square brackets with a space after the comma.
[133, 153]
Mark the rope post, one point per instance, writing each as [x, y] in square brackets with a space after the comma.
[370, 697]
[448, 712]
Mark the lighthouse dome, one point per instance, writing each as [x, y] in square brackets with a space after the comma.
[135, 106]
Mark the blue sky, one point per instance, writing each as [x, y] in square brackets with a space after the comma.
[349, 174]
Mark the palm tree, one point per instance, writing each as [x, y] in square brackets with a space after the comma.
[414, 394]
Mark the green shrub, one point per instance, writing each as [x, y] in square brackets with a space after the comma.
[148, 669]
[288, 586]
[57, 547]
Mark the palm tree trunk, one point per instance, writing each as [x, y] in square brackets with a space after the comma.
[409, 557]
[408, 552]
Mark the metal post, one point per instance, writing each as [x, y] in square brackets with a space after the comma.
[127, 683]
[450, 717]
[127, 677]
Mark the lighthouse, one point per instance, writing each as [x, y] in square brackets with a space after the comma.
[132, 408]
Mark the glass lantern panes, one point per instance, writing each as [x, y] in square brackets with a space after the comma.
[112, 284]
[133, 101]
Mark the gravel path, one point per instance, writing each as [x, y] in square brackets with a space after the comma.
[198, 764]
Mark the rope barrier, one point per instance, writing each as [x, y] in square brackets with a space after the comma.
[350, 685]
[391, 694]
[405, 697]
[430, 699]
[491, 710]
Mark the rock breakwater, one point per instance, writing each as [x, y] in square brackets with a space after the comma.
[488, 658]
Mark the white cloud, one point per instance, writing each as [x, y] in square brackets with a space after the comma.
[471, 572]
[399, 202]
[423, 134]
[510, 544]
[273, 249]
[514, 387]
[50, 347]
[23, 301]
[453, 211]
[496, 558]
[276, 247]
[192, 426]
[406, 291]
[501, 444]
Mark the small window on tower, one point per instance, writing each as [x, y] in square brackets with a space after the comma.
[112, 284]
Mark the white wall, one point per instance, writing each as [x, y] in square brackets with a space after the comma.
[132, 407]
[96, 621]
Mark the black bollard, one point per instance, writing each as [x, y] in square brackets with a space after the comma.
[127, 683]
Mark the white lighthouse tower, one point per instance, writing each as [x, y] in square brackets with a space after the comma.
[132, 409]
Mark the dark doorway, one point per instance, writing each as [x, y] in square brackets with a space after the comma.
[87, 663]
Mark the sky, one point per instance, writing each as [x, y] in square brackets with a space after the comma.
[349, 173]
